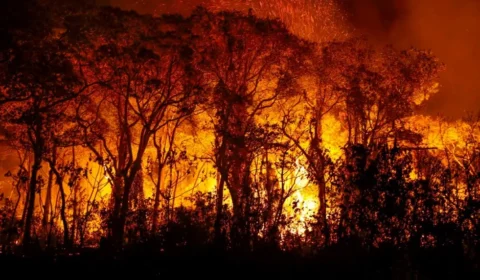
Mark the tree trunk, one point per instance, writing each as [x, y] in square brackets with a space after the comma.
[25, 208]
[119, 228]
[174, 192]
[31, 196]
[156, 204]
[122, 217]
[319, 161]
[118, 185]
[74, 215]
[222, 171]
[48, 201]
[63, 206]
[323, 206]
[63, 214]
[239, 186]
[74, 204]
[240, 190]
[219, 209]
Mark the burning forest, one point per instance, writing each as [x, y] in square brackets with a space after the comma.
[230, 132]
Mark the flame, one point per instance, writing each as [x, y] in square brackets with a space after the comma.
[454, 138]
[334, 136]
[303, 204]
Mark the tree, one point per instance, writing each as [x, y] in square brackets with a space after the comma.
[147, 82]
[166, 155]
[44, 89]
[378, 87]
[244, 57]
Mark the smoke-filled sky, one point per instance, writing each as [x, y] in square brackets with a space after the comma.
[450, 28]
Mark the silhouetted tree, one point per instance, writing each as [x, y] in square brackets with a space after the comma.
[379, 87]
[239, 54]
[147, 82]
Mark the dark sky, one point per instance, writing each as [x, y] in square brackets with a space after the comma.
[450, 28]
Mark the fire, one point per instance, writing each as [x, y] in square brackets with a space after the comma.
[245, 120]
[302, 179]
[334, 136]
[304, 214]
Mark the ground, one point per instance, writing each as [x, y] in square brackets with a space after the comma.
[140, 265]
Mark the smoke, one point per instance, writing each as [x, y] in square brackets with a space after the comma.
[450, 28]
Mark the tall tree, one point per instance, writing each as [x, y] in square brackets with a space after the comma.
[244, 57]
[148, 82]
[43, 89]
[375, 90]
[40, 78]
[379, 87]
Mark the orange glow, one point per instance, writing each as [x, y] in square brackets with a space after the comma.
[228, 98]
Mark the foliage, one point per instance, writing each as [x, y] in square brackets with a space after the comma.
[212, 131]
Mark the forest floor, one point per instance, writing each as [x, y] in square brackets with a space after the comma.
[95, 263]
